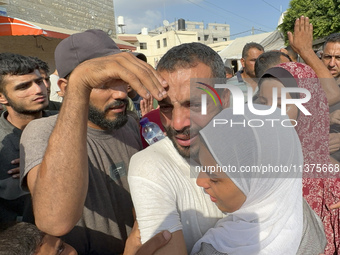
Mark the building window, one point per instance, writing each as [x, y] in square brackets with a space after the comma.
[215, 39]
[199, 38]
[165, 44]
[158, 44]
[225, 39]
[206, 37]
[143, 46]
[197, 26]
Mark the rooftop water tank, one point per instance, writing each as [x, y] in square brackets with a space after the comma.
[181, 24]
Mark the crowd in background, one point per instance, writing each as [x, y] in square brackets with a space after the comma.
[77, 176]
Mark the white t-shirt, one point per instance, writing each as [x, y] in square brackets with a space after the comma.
[165, 194]
[55, 89]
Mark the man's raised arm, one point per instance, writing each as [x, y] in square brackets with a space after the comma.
[59, 184]
[301, 42]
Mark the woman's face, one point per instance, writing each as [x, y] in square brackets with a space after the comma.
[266, 96]
[222, 190]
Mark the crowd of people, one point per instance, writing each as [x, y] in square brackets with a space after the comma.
[76, 178]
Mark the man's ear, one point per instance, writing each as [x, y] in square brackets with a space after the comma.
[225, 97]
[3, 99]
[62, 84]
[243, 62]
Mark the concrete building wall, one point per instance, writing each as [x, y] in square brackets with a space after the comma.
[158, 45]
[78, 15]
[211, 33]
[38, 46]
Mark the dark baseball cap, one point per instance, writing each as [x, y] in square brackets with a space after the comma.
[80, 47]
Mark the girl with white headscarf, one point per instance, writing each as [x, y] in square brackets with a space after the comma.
[265, 212]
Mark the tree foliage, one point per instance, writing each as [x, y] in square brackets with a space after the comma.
[323, 14]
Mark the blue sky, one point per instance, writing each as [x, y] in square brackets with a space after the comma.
[241, 15]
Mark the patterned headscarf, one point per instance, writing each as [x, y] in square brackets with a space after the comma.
[319, 190]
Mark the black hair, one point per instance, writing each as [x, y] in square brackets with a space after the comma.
[266, 60]
[41, 64]
[332, 38]
[14, 64]
[249, 46]
[189, 55]
[229, 70]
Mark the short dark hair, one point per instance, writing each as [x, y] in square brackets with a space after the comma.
[41, 64]
[188, 55]
[332, 38]
[229, 70]
[266, 60]
[14, 64]
[249, 46]
[21, 238]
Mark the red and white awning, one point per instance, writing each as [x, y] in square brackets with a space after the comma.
[17, 27]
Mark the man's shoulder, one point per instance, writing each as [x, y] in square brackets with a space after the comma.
[157, 151]
[4, 125]
[48, 118]
[9, 134]
[131, 128]
[232, 80]
[132, 123]
[159, 157]
[41, 125]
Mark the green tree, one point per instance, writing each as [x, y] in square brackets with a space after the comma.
[323, 14]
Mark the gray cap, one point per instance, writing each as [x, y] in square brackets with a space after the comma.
[80, 47]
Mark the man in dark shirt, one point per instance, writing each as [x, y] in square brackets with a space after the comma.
[24, 94]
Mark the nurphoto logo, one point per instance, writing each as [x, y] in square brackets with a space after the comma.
[238, 104]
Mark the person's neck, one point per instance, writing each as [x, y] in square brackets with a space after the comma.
[93, 126]
[250, 80]
[20, 120]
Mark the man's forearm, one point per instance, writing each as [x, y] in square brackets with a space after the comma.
[61, 183]
[301, 42]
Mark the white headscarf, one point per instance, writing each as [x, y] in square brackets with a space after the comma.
[270, 221]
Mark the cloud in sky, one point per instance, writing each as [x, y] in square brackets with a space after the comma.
[135, 23]
[146, 13]
[243, 16]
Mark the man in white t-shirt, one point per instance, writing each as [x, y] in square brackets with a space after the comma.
[162, 178]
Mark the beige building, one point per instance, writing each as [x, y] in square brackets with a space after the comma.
[156, 43]
[155, 46]
[207, 34]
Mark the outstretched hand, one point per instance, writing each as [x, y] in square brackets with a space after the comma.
[301, 42]
[146, 105]
[302, 39]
